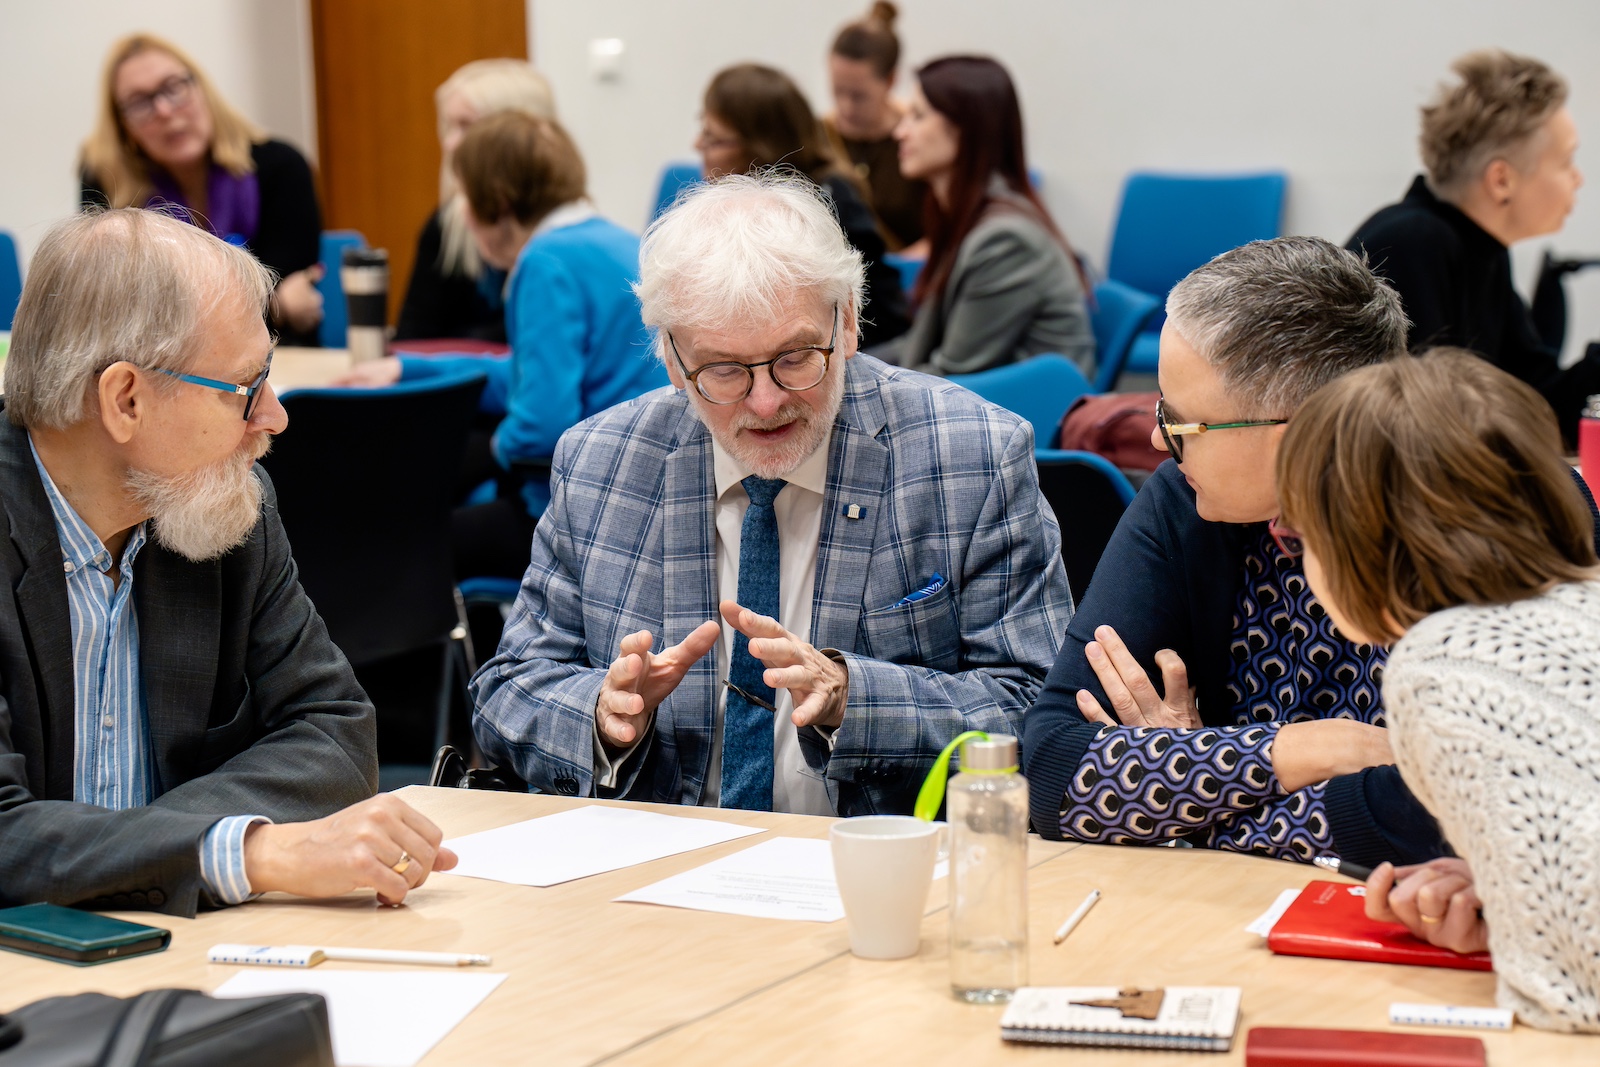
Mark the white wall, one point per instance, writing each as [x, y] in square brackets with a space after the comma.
[257, 51]
[1327, 92]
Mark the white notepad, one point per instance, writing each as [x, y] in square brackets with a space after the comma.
[1199, 1018]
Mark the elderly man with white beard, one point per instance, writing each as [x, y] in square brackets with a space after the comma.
[788, 582]
[176, 729]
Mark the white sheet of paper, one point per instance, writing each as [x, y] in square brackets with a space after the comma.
[378, 1018]
[1269, 918]
[583, 841]
[781, 878]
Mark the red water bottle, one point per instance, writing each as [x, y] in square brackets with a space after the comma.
[1589, 444]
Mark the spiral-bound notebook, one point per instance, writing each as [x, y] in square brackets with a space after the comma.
[1198, 1018]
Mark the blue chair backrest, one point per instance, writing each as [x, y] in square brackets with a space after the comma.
[674, 176]
[908, 266]
[1039, 389]
[10, 279]
[1088, 496]
[335, 313]
[1119, 313]
[1169, 224]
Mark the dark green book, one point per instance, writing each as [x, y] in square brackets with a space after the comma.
[68, 935]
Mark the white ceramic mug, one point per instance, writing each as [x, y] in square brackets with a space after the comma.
[884, 866]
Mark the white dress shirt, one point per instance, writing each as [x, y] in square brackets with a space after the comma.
[796, 787]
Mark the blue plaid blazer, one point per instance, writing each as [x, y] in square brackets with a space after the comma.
[946, 484]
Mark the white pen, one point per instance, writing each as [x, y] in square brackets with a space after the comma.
[311, 955]
[1077, 916]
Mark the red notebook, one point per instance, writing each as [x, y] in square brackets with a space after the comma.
[1282, 1046]
[1329, 919]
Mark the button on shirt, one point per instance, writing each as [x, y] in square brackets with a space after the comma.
[796, 787]
[113, 765]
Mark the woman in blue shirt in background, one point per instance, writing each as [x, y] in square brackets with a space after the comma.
[577, 343]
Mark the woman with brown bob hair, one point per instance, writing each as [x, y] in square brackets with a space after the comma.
[1436, 515]
[1001, 284]
[165, 135]
[754, 117]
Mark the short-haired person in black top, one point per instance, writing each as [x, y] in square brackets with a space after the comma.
[1266, 732]
[166, 136]
[1497, 147]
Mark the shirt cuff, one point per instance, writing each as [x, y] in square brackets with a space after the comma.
[607, 770]
[222, 858]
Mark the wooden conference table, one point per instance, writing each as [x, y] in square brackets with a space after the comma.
[593, 981]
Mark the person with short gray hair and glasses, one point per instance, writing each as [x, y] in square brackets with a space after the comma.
[1202, 693]
[789, 582]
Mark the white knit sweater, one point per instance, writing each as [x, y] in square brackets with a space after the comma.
[1494, 715]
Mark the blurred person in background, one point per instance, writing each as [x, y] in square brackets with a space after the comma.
[452, 292]
[861, 70]
[1001, 283]
[755, 117]
[165, 135]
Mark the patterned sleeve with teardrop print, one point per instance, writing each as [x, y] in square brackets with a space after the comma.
[1211, 785]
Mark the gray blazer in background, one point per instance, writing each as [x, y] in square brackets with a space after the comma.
[1013, 293]
[251, 709]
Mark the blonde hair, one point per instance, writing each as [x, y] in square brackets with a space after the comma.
[490, 86]
[119, 166]
[1499, 103]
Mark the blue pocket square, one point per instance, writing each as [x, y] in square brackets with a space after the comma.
[935, 584]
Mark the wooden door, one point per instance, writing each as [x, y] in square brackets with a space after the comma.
[377, 65]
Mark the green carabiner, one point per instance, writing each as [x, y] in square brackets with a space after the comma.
[931, 795]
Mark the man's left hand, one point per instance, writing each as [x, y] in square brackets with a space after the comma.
[817, 684]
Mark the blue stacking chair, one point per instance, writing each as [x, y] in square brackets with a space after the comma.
[1169, 224]
[10, 279]
[674, 176]
[335, 313]
[1088, 495]
[1119, 315]
[1040, 389]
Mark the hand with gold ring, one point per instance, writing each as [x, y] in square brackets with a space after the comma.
[1435, 900]
[349, 850]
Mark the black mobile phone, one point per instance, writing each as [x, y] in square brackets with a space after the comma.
[68, 935]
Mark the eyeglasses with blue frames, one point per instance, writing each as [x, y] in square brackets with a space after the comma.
[1172, 432]
[251, 392]
[794, 371]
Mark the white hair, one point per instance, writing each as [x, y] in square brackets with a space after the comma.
[737, 250]
[125, 284]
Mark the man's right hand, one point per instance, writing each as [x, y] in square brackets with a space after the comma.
[637, 681]
[357, 848]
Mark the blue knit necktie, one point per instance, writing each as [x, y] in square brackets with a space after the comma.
[746, 727]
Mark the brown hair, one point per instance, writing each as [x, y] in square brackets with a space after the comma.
[515, 164]
[1500, 102]
[112, 158]
[871, 40]
[772, 119]
[1426, 483]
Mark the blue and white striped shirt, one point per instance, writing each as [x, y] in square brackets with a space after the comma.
[113, 765]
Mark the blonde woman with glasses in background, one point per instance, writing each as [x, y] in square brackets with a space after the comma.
[166, 136]
[1437, 517]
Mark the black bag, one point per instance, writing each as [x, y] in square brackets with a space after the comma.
[168, 1028]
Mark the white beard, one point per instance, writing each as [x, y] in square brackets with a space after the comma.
[780, 462]
[203, 514]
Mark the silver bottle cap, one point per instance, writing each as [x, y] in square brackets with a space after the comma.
[995, 754]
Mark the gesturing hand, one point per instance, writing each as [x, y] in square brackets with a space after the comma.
[817, 684]
[1435, 900]
[357, 848]
[1128, 688]
[638, 681]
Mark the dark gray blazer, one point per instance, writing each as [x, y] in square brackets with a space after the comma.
[252, 710]
[1013, 293]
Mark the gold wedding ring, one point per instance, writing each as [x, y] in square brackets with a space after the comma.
[403, 864]
[1430, 918]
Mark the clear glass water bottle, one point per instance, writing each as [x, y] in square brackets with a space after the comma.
[987, 807]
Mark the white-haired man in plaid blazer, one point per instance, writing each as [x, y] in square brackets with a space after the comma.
[789, 581]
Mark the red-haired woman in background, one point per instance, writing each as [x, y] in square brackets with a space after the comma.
[1001, 283]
